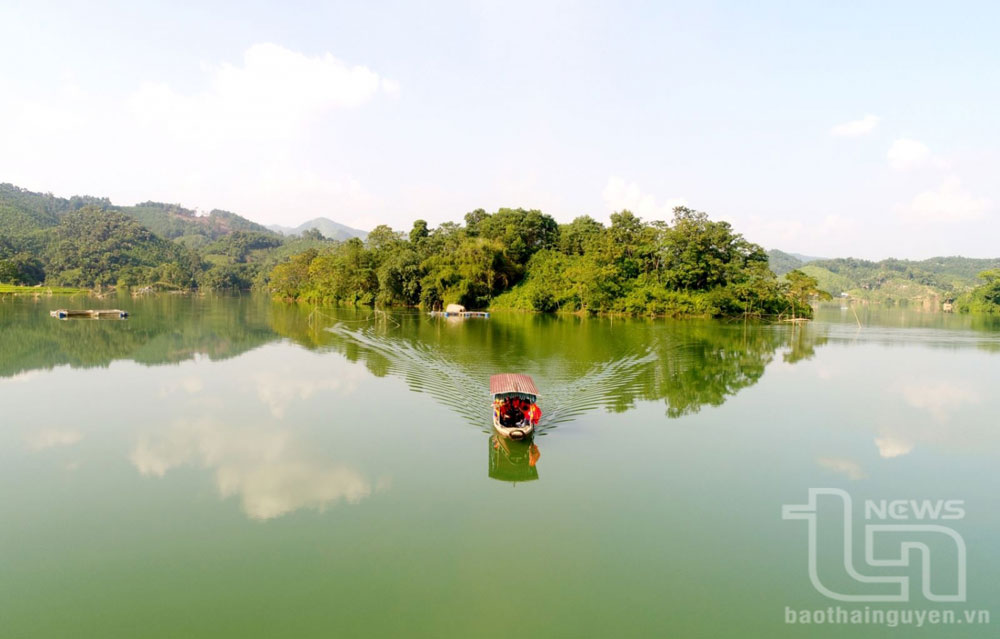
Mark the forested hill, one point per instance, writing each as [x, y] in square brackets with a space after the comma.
[891, 280]
[177, 223]
[90, 242]
[782, 262]
[23, 211]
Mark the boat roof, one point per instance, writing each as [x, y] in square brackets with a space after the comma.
[512, 383]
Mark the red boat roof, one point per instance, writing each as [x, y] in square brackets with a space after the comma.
[512, 383]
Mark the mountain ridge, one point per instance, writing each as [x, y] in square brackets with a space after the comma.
[23, 210]
[329, 228]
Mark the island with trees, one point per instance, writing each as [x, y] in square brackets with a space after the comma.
[518, 259]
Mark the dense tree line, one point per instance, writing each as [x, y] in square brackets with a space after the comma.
[522, 259]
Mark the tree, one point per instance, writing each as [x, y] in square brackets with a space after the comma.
[801, 288]
[699, 254]
[473, 219]
[346, 275]
[290, 278]
[520, 232]
[580, 235]
[22, 268]
[383, 238]
[419, 231]
[985, 298]
[9, 273]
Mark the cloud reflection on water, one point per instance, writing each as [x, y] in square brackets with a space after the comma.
[846, 467]
[52, 437]
[266, 468]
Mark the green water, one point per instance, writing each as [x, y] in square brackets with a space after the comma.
[234, 467]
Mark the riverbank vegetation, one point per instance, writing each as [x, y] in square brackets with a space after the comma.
[521, 259]
[985, 298]
[18, 289]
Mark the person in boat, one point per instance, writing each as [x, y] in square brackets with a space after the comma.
[509, 415]
[503, 411]
[515, 412]
[533, 413]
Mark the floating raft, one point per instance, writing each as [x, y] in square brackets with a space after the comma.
[481, 314]
[90, 314]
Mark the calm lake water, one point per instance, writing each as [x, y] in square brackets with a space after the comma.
[236, 467]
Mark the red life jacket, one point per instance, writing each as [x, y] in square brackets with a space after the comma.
[534, 413]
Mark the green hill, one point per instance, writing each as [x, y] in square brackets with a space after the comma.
[927, 281]
[781, 262]
[172, 221]
[88, 241]
[94, 247]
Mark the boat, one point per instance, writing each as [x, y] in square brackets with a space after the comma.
[507, 386]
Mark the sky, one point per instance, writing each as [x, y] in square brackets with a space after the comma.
[830, 129]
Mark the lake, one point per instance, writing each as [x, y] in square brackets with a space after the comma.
[238, 467]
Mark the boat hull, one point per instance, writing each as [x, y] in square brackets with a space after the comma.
[513, 432]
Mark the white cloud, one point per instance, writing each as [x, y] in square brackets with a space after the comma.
[242, 141]
[856, 128]
[906, 154]
[272, 94]
[619, 194]
[948, 203]
[846, 467]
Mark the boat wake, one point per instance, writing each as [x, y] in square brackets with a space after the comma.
[462, 384]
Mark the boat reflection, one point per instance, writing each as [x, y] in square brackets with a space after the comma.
[513, 461]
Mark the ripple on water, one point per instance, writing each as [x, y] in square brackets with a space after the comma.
[463, 386]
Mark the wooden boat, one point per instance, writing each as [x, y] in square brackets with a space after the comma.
[507, 386]
[89, 314]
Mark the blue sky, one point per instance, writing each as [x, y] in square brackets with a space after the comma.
[865, 129]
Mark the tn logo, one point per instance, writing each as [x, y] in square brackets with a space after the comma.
[904, 554]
